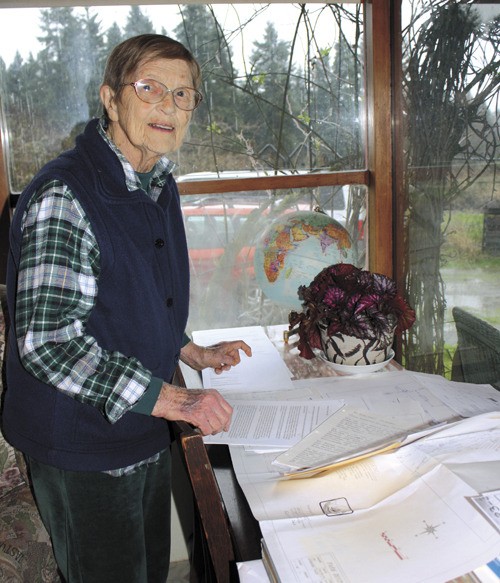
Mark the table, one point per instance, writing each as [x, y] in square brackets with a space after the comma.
[246, 533]
[245, 530]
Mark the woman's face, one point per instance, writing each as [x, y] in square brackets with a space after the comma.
[145, 132]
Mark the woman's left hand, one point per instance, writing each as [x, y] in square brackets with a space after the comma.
[221, 356]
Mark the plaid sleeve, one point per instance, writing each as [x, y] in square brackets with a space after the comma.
[57, 286]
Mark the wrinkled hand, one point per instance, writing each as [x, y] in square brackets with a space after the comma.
[203, 408]
[206, 409]
[221, 356]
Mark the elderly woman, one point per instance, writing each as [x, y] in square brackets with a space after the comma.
[98, 282]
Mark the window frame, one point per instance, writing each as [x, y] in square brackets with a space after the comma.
[380, 175]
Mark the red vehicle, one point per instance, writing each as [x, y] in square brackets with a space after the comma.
[214, 233]
[230, 223]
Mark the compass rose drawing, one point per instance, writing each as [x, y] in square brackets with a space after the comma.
[430, 529]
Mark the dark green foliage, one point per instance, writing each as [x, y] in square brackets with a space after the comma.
[51, 94]
[137, 23]
[266, 113]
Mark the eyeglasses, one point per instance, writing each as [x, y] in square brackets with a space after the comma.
[151, 91]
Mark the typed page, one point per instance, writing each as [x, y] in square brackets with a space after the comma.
[273, 423]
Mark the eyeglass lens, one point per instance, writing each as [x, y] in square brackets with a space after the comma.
[152, 91]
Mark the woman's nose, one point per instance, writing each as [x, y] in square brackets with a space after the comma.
[168, 102]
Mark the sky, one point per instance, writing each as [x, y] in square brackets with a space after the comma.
[19, 27]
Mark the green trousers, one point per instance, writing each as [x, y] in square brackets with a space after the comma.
[107, 529]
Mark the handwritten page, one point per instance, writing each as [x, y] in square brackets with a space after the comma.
[265, 369]
[273, 423]
[347, 436]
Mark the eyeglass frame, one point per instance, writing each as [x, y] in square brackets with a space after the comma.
[198, 94]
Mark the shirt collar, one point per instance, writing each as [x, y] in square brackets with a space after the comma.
[162, 168]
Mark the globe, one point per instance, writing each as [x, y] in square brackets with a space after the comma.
[294, 249]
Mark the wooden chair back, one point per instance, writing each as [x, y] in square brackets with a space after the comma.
[213, 557]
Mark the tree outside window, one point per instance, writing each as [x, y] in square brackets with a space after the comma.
[277, 101]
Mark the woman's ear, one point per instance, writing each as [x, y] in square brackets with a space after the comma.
[107, 96]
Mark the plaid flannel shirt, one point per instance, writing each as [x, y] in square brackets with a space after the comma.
[57, 286]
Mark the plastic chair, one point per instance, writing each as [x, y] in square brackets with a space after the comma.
[477, 358]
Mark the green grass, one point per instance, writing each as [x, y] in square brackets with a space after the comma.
[463, 244]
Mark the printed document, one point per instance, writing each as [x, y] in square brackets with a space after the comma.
[273, 423]
[264, 370]
[345, 437]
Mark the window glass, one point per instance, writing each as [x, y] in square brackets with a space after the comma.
[452, 204]
[283, 90]
[225, 232]
[283, 84]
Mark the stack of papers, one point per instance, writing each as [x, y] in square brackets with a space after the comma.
[346, 437]
[273, 424]
[422, 512]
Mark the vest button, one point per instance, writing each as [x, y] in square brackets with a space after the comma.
[159, 243]
[169, 302]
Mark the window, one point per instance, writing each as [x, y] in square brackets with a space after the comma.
[440, 172]
[281, 93]
[223, 233]
[284, 97]
[452, 203]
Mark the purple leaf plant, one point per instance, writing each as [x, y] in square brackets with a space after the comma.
[349, 301]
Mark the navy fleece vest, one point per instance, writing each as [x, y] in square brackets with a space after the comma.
[141, 311]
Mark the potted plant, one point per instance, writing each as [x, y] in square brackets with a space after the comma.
[351, 314]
